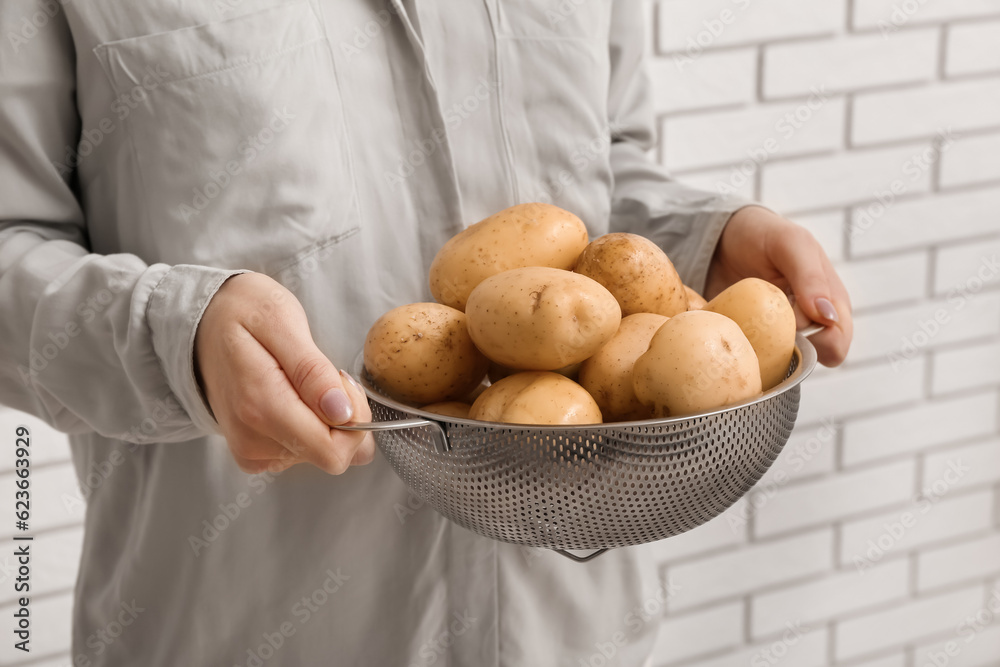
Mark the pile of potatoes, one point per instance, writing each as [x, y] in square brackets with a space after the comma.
[569, 331]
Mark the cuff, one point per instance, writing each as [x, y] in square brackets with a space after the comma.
[175, 308]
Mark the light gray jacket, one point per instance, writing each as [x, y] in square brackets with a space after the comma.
[149, 149]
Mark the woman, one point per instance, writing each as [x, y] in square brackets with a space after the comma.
[205, 206]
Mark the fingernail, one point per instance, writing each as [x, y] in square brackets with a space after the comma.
[336, 406]
[826, 310]
[350, 378]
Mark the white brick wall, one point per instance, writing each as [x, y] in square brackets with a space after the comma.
[897, 73]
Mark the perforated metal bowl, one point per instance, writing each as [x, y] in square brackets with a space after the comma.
[587, 488]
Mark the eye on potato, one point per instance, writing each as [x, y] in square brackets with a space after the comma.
[535, 397]
[422, 353]
[697, 361]
[766, 317]
[540, 319]
[520, 236]
[637, 272]
[608, 374]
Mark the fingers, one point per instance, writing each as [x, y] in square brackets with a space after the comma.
[819, 293]
[799, 257]
[271, 417]
[315, 379]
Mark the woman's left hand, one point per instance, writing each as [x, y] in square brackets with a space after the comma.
[758, 243]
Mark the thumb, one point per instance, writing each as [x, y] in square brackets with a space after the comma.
[802, 264]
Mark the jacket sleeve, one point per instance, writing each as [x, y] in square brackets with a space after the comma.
[684, 221]
[88, 342]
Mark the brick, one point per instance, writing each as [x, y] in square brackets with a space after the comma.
[811, 450]
[711, 80]
[55, 556]
[831, 597]
[966, 368]
[48, 486]
[882, 281]
[982, 460]
[975, 646]
[901, 334]
[808, 650]
[50, 628]
[47, 444]
[903, 624]
[953, 564]
[850, 62]
[945, 519]
[743, 570]
[719, 533]
[836, 497]
[926, 221]
[688, 26]
[753, 136]
[828, 228]
[850, 391]
[875, 13]
[919, 427]
[841, 179]
[701, 632]
[973, 48]
[971, 161]
[965, 270]
[925, 111]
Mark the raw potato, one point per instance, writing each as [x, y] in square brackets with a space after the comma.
[449, 409]
[520, 236]
[422, 353]
[697, 361]
[541, 319]
[536, 398]
[695, 300]
[768, 321]
[637, 272]
[608, 374]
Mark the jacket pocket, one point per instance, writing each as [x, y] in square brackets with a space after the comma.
[238, 136]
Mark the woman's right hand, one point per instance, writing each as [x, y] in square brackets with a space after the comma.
[273, 393]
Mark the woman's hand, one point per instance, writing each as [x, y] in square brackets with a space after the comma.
[758, 243]
[273, 393]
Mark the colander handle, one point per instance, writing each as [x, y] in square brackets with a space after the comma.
[440, 439]
[580, 558]
[812, 329]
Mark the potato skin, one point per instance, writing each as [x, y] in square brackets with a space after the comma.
[422, 353]
[608, 374]
[523, 235]
[449, 409]
[637, 272]
[697, 361]
[540, 319]
[536, 397]
[695, 300]
[766, 317]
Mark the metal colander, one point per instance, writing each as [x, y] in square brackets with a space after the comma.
[591, 487]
